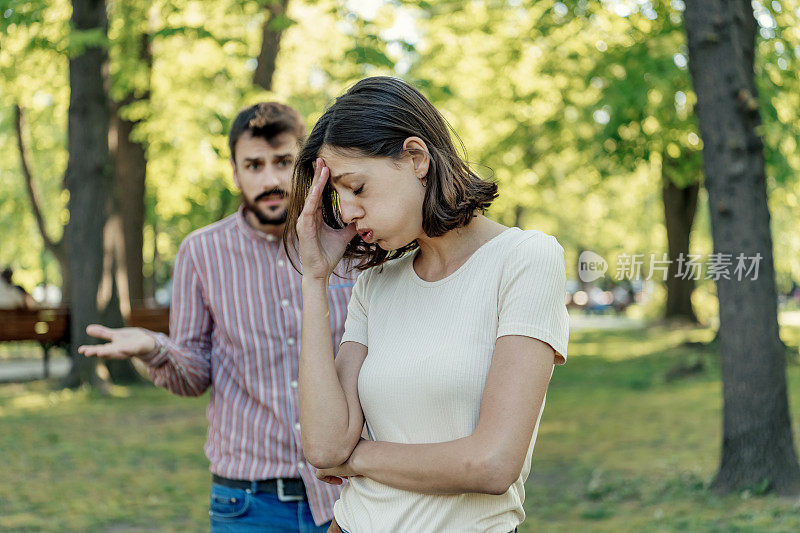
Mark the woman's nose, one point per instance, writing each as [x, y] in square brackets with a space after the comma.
[349, 211]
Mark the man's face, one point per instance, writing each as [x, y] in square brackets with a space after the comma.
[263, 172]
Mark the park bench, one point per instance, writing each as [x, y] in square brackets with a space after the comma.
[50, 327]
[152, 318]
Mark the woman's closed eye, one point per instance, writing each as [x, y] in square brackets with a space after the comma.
[358, 191]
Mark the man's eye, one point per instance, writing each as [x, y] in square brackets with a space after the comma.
[254, 166]
[284, 163]
[358, 191]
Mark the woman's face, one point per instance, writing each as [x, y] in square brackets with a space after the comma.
[382, 196]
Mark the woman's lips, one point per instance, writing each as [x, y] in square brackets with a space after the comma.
[366, 236]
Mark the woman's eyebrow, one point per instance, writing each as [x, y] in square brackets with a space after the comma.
[336, 178]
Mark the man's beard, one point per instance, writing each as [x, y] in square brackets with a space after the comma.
[263, 218]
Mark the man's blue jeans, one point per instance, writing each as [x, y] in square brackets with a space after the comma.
[236, 510]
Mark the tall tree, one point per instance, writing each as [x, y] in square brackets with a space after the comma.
[680, 206]
[276, 21]
[645, 87]
[88, 177]
[757, 448]
[130, 87]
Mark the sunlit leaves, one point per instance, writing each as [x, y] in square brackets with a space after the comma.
[571, 106]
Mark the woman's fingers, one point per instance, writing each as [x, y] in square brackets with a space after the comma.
[313, 200]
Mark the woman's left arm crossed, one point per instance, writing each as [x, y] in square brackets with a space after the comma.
[488, 461]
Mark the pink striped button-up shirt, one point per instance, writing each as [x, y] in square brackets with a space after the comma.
[235, 328]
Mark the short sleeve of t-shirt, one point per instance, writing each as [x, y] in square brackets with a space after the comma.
[532, 293]
[355, 325]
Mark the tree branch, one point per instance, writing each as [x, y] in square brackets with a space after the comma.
[51, 245]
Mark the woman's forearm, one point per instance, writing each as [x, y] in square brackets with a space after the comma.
[323, 406]
[463, 465]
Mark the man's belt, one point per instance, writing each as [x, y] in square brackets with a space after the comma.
[287, 489]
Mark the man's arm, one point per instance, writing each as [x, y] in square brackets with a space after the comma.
[180, 363]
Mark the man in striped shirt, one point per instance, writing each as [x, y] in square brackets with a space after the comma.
[235, 329]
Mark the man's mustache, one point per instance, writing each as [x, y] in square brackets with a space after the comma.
[273, 191]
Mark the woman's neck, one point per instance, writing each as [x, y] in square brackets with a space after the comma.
[441, 256]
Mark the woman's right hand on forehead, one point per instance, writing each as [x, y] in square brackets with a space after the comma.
[321, 247]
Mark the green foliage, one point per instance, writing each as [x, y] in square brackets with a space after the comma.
[34, 75]
[576, 108]
[80, 40]
[368, 55]
[280, 23]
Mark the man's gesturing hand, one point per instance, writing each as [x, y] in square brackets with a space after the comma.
[125, 342]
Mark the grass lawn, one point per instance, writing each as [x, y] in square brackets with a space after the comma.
[620, 448]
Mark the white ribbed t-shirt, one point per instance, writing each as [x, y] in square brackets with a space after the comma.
[430, 345]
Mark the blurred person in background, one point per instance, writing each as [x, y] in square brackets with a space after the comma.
[13, 296]
[235, 328]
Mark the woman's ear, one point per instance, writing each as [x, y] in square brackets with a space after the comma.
[420, 157]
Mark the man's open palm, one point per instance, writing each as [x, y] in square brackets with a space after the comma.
[125, 342]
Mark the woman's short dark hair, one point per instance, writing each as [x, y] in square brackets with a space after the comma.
[373, 119]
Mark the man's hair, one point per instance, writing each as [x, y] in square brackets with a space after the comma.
[373, 119]
[267, 120]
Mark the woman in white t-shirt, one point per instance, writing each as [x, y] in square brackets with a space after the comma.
[452, 331]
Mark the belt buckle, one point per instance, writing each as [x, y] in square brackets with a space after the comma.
[283, 497]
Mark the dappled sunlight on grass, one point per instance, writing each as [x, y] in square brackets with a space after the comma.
[621, 447]
[32, 400]
[130, 460]
[615, 345]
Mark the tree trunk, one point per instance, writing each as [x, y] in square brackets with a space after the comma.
[122, 285]
[757, 449]
[130, 173]
[153, 285]
[130, 170]
[680, 205]
[112, 294]
[88, 177]
[270, 43]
